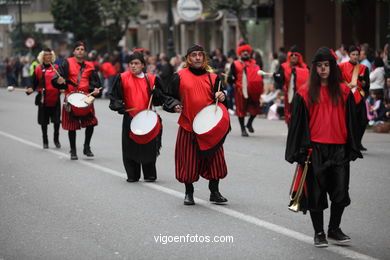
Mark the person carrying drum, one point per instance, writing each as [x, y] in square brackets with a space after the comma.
[48, 97]
[357, 77]
[196, 88]
[78, 75]
[290, 77]
[132, 93]
[248, 86]
[323, 118]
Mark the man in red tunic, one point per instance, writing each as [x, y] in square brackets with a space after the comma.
[357, 77]
[130, 95]
[48, 97]
[78, 75]
[194, 88]
[248, 86]
[323, 118]
[290, 77]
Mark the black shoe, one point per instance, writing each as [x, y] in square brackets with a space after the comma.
[250, 128]
[244, 133]
[131, 180]
[73, 155]
[87, 151]
[362, 148]
[338, 235]
[189, 199]
[45, 145]
[320, 240]
[217, 198]
[150, 179]
[57, 144]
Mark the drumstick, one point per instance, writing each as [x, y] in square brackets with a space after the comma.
[131, 109]
[10, 89]
[93, 92]
[216, 103]
[151, 97]
[55, 70]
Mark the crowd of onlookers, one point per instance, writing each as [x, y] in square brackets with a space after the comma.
[16, 71]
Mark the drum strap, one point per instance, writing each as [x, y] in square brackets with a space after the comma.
[148, 82]
[76, 85]
[211, 82]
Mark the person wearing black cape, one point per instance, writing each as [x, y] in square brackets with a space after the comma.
[324, 119]
[131, 93]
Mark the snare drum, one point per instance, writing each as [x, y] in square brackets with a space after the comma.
[145, 126]
[75, 103]
[211, 126]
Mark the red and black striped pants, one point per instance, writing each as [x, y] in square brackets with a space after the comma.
[189, 165]
[244, 106]
[71, 123]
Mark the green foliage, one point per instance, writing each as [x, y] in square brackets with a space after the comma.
[95, 20]
[19, 38]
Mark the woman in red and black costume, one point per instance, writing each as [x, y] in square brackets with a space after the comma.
[194, 88]
[77, 74]
[131, 94]
[246, 98]
[48, 97]
[294, 68]
[360, 90]
[323, 117]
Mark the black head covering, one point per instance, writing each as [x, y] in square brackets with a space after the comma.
[137, 56]
[294, 48]
[353, 48]
[79, 43]
[195, 47]
[323, 54]
[47, 49]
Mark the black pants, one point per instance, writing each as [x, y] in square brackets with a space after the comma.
[133, 169]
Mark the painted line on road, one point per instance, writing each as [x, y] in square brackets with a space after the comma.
[229, 212]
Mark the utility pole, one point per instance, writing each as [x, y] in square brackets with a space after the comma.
[170, 42]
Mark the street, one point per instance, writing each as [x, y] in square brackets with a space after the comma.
[55, 208]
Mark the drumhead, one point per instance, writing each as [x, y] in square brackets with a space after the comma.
[77, 99]
[143, 122]
[207, 119]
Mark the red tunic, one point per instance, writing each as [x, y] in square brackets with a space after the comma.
[108, 69]
[51, 93]
[195, 93]
[135, 91]
[347, 72]
[302, 76]
[74, 70]
[327, 122]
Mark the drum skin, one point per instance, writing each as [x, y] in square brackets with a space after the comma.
[145, 126]
[211, 126]
[77, 104]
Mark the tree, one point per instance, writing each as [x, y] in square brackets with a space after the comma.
[78, 17]
[95, 20]
[115, 16]
[236, 7]
[19, 38]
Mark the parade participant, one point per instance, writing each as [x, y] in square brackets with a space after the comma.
[196, 88]
[48, 97]
[248, 86]
[78, 75]
[323, 118]
[131, 94]
[357, 77]
[290, 77]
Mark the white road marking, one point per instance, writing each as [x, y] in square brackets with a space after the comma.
[229, 212]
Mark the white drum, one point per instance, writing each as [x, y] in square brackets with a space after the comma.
[207, 119]
[77, 99]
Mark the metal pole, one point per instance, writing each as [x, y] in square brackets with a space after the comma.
[170, 42]
[20, 17]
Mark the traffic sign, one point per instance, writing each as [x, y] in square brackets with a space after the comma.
[6, 19]
[29, 42]
[189, 10]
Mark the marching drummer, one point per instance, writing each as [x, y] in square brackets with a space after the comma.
[196, 88]
[78, 75]
[131, 93]
[48, 97]
[248, 86]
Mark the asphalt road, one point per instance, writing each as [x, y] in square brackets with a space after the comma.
[55, 208]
